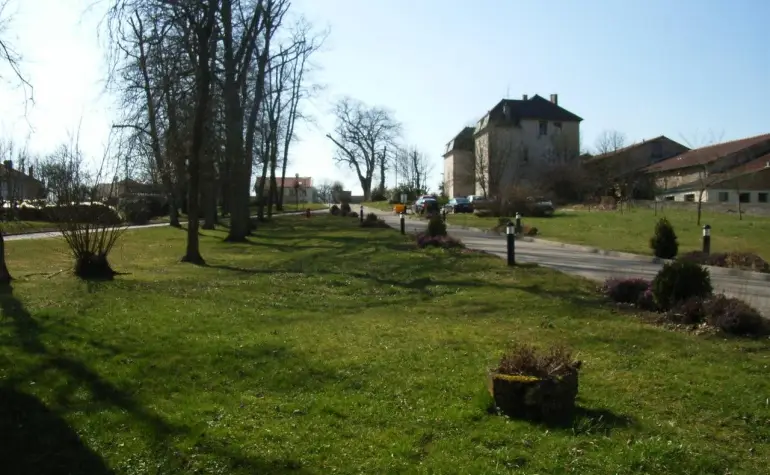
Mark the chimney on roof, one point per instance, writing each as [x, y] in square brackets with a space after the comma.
[524, 97]
[555, 99]
[506, 110]
[31, 170]
[8, 164]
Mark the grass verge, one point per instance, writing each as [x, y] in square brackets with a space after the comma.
[631, 230]
[321, 347]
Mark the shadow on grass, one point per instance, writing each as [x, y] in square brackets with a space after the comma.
[37, 440]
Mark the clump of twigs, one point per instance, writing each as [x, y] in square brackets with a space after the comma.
[527, 360]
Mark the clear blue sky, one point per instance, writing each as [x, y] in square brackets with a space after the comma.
[681, 68]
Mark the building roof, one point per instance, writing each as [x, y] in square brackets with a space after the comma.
[748, 168]
[706, 155]
[627, 148]
[18, 174]
[536, 107]
[461, 141]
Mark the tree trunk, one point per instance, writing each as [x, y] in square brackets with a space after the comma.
[192, 253]
[5, 275]
[283, 185]
[209, 196]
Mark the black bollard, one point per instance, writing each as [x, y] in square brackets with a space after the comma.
[509, 231]
[361, 214]
[443, 215]
[403, 224]
[518, 223]
[706, 239]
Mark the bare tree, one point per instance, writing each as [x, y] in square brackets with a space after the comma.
[362, 135]
[9, 56]
[609, 141]
[324, 191]
[501, 167]
[706, 171]
[412, 168]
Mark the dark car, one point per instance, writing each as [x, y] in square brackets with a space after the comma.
[425, 205]
[459, 205]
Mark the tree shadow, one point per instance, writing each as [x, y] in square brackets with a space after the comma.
[41, 428]
[593, 421]
[35, 440]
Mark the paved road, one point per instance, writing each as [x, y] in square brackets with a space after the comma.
[54, 234]
[590, 265]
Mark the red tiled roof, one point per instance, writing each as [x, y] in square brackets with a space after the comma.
[705, 155]
[752, 166]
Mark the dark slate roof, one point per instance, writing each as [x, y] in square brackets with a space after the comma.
[462, 141]
[535, 107]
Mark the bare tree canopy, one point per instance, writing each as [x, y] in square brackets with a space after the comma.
[609, 141]
[412, 169]
[362, 136]
[9, 56]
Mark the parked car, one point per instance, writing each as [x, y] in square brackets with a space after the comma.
[459, 205]
[425, 205]
[530, 206]
[473, 198]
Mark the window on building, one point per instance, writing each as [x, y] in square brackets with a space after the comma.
[724, 197]
[557, 125]
[689, 197]
[543, 127]
[761, 197]
[744, 197]
[657, 150]
[669, 198]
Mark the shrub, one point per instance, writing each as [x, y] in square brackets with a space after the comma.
[334, 210]
[353, 214]
[736, 260]
[689, 312]
[647, 301]
[135, 211]
[530, 231]
[445, 242]
[82, 213]
[664, 242]
[625, 290]
[679, 281]
[734, 316]
[526, 360]
[345, 208]
[436, 226]
[373, 222]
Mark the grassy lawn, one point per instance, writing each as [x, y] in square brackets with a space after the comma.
[320, 347]
[24, 227]
[631, 230]
[380, 205]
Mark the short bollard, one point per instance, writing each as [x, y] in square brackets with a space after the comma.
[403, 224]
[706, 239]
[509, 231]
[518, 223]
[443, 215]
[361, 214]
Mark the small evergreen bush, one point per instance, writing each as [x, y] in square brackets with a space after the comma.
[436, 226]
[625, 290]
[679, 281]
[334, 210]
[664, 242]
[345, 208]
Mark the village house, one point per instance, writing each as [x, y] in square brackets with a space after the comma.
[18, 186]
[515, 142]
[729, 172]
[295, 189]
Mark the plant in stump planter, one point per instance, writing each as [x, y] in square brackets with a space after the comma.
[534, 385]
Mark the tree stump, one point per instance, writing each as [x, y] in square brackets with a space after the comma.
[550, 400]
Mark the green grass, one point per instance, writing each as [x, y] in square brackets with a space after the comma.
[321, 347]
[631, 230]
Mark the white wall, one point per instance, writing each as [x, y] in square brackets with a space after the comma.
[718, 196]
